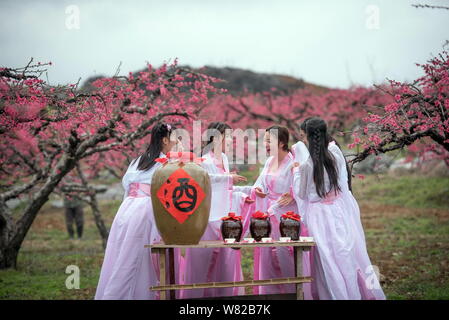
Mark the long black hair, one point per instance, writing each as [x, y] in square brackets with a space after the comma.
[316, 130]
[159, 131]
[220, 127]
[304, 123]
[330, 138]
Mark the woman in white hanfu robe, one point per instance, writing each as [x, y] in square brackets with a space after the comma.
[217, 264]
[300, 155]
[128, 268]
[341, 266]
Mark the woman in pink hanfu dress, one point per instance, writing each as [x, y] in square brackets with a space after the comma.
[341, 266]
[217, 264]
[128, 268]
[272, 194]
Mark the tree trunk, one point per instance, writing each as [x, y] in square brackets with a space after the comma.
[12, 234]
[8, 253]
[104, 233]
[8, 257]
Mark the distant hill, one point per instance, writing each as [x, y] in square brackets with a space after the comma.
[237, 81]
[240, 80]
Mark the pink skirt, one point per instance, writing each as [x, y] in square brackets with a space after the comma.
[212, 265]
[128, 268]
[341, 267]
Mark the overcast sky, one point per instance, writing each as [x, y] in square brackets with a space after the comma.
[332, 43]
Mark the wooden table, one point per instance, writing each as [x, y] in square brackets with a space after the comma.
[161, 248]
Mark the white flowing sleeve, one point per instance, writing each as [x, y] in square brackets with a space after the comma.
[300, 180]
[300, 152]
[340, 158]
[216, 178]
[220, 178]
[129, 176]
[341, 164]
[245, 189]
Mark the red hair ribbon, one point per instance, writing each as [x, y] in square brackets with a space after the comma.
[161, 160]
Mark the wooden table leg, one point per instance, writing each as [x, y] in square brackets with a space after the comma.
[298, 270]
[162, 255]
[171, 261]
[255, 289]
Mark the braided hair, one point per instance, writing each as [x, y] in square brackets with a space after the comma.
[303, 125]
[154, 149]
[316, 130]
[330, 139]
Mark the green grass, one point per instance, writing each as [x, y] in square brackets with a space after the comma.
[251, 175]
[407, 191]
[46, 278]
[46, 254]
[412, 254]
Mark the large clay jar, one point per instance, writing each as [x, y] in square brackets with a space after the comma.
[290, 226]
[260, 226]
[231, 227]
[181, 198]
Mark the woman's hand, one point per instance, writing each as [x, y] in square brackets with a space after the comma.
[294, 165]
[285, 199]
[249, 200]
[259, 192]
[236, 178]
